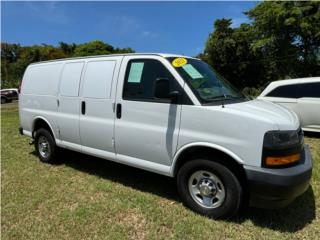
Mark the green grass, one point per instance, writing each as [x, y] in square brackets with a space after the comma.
[89, 198]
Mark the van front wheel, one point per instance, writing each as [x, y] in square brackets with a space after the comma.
[209, 188]
[45, 146]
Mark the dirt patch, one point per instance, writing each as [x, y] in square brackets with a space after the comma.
[136, 222]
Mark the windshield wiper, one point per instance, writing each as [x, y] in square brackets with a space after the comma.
[224, 96]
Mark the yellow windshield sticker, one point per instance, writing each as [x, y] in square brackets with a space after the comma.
[179, 62]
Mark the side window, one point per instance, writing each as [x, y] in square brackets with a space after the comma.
[140, 78]
[309, 90]
[70, 79]
[98, 79]
[287, 91]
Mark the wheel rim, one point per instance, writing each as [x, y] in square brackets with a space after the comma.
[206, 189]
[44, 147]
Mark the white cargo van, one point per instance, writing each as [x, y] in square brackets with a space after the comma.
[172, 115]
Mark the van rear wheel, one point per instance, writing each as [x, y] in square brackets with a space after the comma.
[45, 146]
[209, 188]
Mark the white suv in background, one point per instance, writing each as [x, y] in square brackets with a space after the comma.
[301, 95]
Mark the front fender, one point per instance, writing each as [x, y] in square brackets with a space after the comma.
[202, 144]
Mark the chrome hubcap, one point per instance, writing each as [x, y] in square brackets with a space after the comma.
[44, 147]
[206, 189]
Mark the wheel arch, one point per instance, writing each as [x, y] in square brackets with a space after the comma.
[41, 122]
[191, 150]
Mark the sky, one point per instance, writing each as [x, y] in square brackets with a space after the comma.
[167, 27]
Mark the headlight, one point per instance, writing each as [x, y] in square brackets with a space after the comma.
[282, 148]
[281, 139]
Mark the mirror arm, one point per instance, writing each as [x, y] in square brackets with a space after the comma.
[174, 95]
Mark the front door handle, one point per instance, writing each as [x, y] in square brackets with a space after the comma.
[119, 109]
[83, 107]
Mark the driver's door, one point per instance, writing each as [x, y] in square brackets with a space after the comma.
[146, 128]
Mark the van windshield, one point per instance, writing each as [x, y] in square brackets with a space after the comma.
[204, 80]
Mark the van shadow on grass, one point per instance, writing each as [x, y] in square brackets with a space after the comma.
[128, 176]
[312, 134]
[290, 219]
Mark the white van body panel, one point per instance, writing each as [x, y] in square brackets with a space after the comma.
[306, 108]
[39, 95]
[202, 144]
[149, 135]
[69, 108]
[234, 128]
[98, 92]
[45, 77]
[147, 130]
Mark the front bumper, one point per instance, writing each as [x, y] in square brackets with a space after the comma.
[276, 188]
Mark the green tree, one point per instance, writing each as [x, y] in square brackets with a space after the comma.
[123, 50]
[15, 58]
[93, 48]
[9, 55]
[98, 48]
[281, 41]
[288, 33]
[68, 49]
[228, 51]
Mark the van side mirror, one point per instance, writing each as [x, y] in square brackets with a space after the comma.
[162, 90]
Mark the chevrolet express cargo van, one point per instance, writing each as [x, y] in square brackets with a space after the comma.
[172, 115]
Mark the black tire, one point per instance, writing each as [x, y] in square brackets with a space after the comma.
[232, 188]
[44, 135]
[3, 100]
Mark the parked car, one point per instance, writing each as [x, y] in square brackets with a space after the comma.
[300, 95]
[7, 95]
[172, 115]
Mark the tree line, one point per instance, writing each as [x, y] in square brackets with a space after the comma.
[15, 58]
[280, 41]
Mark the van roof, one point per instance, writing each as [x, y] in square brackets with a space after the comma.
[113, 55]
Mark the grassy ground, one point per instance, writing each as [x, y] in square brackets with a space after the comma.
[89, 198]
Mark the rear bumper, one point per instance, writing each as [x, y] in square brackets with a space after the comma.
[21, 130]
[276, 188]
[25, 132]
